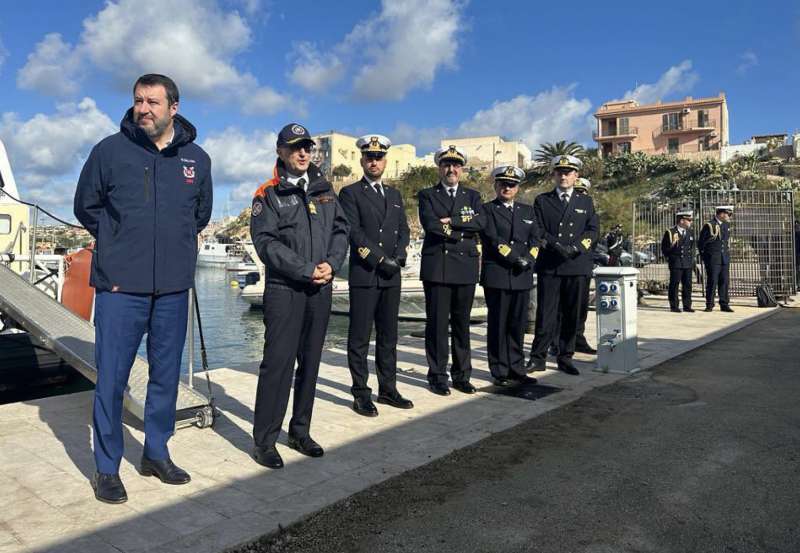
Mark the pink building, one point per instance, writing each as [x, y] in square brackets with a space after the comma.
[691, 128]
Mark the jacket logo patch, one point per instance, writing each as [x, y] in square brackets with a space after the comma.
[580, 210]
[534, 251]
[587, 243]
[363, 252]
[326, 199]
[287, 201]
[258, 207]
[312, 209]
[504, 250]
[528, 221]
[188, 172]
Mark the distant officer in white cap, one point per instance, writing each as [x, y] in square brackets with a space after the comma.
[714, 249]
[569, 230]
[379, 236]
[677, 245]
[583, 185]
[450, 216]
[510, 240]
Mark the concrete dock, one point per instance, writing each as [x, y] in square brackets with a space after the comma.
[45, 448]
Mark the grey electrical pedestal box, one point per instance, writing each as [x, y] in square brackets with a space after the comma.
[616, 298]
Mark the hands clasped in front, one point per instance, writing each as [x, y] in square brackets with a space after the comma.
[323, 274]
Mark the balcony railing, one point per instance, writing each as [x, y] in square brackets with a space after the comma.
[615, 133]
[686, 125]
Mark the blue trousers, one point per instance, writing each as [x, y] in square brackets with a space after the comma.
[121, 320]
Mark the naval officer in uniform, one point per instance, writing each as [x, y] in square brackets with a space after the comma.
[300, 232]
[677, 245]
[510, 239]
[714, 249]
[583, 186]
[379, 237]
[569, 230]
[450, 216]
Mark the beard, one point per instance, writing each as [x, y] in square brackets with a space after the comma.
[158, 127]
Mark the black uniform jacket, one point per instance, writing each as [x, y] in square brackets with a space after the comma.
[577, 225]
[450, 250]
[679, 250]
[713, 242]
[293, 231]
[506, 236]
[378, 229]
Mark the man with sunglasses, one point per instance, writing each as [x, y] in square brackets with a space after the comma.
[569, 230]
[450, 216]
[510, 240]
[379, 237]
[300, 233]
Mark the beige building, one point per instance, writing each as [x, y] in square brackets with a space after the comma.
[484, 153]
[691, 128]
[335, 149]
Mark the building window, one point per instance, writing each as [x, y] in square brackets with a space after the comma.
[672, 146]
[624, 126]
[5, 224]
[702, 118]
[672, 121]
[624, 148]
[705, 143]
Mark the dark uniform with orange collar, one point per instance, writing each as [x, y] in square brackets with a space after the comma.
[677, 245]
[293, 228]
[379, 236]
[510, 239]
[569, 231]
[449, 273]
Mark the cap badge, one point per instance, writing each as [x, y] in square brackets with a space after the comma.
[298, 130]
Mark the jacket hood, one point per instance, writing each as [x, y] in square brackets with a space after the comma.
[185, 133]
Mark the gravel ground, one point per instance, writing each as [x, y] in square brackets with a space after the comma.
[701, 454]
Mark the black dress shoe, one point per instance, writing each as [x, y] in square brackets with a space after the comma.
[585, 348]
[726, 309]
[708, 309]
[364, 406]
[165, 470]
[536, 364]
[268, 457]
[502, 381]
[567, 367]
[688, 310]
[306, 445]
[464, 387]
[516, 378]
[439, 389]
[674, 309]
[395, 400]
[108, 488]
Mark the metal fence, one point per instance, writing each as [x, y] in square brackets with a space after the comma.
[762, 238]
[761, 243]
[650, 219]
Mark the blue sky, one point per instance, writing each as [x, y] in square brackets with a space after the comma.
[415, 70]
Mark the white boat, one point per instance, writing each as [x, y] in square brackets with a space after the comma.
[215, 254]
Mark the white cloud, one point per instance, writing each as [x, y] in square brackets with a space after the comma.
[549, 116]
[314, 70]
[400, 49]
[47, 151]
[747, 60]
[241, 160]
[677, 79]
[130, 37]
[53, 68]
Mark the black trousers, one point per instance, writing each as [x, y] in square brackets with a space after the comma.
[717, 277]
[296, 323]
[557, 298]
[580, 329]
[508, 317]
[448, 303]
[380, 306]
[682, 277]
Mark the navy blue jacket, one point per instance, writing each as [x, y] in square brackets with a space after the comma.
[378, 229]
[144, 207]
[450, 251]
[576, 225]
[293, 231]
[713, 242]
[506, 236]
[678, 250]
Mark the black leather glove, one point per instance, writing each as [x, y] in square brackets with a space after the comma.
[401, 261]
[388, 267]
[521, 263]
[562, 250]
[573, 251]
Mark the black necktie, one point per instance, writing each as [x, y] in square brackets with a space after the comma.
[379, 189]
[301, 183]
[564, 199]
[452, 192]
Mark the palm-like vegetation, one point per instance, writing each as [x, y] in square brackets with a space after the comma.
[548, 151]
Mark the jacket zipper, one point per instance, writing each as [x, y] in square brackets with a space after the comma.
[146, 184]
